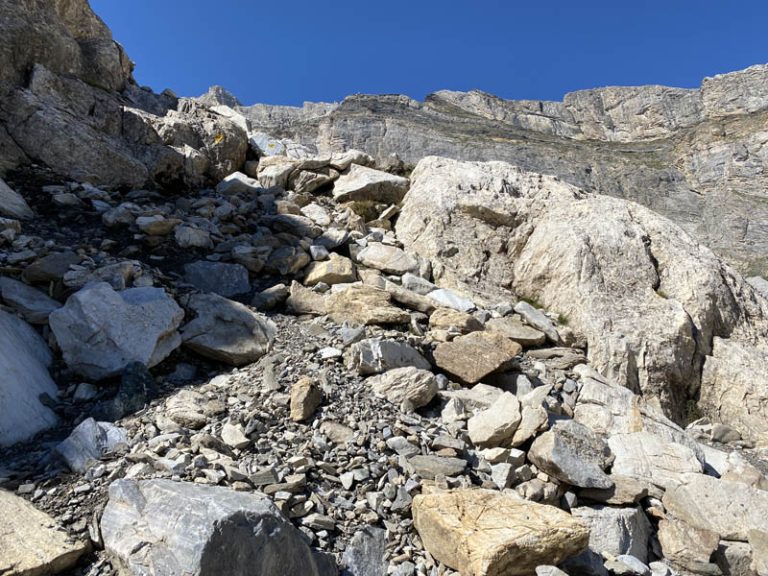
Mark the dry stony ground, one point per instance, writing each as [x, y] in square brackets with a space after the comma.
[361, 456]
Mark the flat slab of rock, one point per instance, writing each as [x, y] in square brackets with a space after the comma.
[730, 509]
[176, 528]
[514, 329]
[12, 204]
[361, 304]
[450, 299]
[24, 361]
[487, 533]
[31, 543]
[574, 454]
[429, 466]
[410, 386]
[389, 259]
[32, 304]
[218, 277]
[472, 357]
[227, 331]
[101, 331]
[537, 319]
[361, 183]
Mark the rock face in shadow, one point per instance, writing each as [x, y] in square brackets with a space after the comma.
[648, 298]
[695, 156]
[68, 100]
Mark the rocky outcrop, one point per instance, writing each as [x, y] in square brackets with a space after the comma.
[695, 156]
[648, 298]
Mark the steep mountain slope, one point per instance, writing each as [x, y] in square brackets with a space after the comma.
[696, 156]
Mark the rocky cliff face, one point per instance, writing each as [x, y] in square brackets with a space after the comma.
[695, 156]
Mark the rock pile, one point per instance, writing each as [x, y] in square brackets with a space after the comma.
[372, 388]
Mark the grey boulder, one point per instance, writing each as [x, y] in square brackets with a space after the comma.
[165, 528]
[227, 331]
[361, 183]
[32, 304]
[101, 331]
[89, 442]
[24, 361]
[12, 204]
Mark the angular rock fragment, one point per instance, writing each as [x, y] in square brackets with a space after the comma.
[366, 184]
[336, 270]
[101, 331]
[365, 305]
[538, 320]
[31, 543]
[616, 531]
[407, 386]
[574, 454]
[389, 259]
[227, 331]
[496, 425]
[514, 329]
[305, 399]
[32, 304]
[472, 357]
[12, 204]
[89, 442]
[373, 356]
[178, 528]
[217, 277]
[484, 532]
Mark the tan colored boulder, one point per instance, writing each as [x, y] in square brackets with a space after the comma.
[485, 533]
[409, 386]
[367, 305]
[686, 546]
[305, 399]
[336, 270]
[496, 425]
[454, 321]
[472, 357]
[514, 329]
[31, 543]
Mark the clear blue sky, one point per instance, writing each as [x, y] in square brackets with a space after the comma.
[291, 51]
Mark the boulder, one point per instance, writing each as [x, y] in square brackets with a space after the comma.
[451, 299]
[273, 171]
[514, 329]
[32, 543]
[24, 361]
[101, 331]
[650, 458]
[453, 321]
[89, 443]
[647, 297]
[687, 547]
[430, 466]
[32, 304]
[484, 532]
[360, 183]
[364, 555]
[616, 531]
[496, 425]
[176, 528]
[50, 268]
[359, 304]
[336, 270]
[574, 454]
[731, 509]
[389, 259]
[408, 386]
[218, 277]
[227, 331]
[472, 357]
[538, 320]
[12, 204]
[374, 356]
[733, 387]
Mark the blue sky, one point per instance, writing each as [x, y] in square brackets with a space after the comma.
[291, 51]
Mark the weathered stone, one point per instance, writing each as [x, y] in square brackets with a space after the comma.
[730, 509]
[238, 183]
[32, 304]
[177, 528]
[533, 421]
[24, 361]
[389, 259]
[362, 304]
[190, 237]
[407, 386]
[157, 225]
[625, 490]
[374, 356]
[430, 466]
[484, 532]
[308, 181]
[301, 300]
[647, 457]
[275, 170]
[451, 299]
[50, 268]
[364, 555]
[496, 425]
[361, 184]
[227, 331]
[32, 543]
[514, 329]
[616, 531]
[305, 399]
[574, 454]
[336, 270]
[101, 331]
[234, 436]
[12, 204]
[687, 547]
[474, 356]
[89, 443]
[217, 277]
[453, 321]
